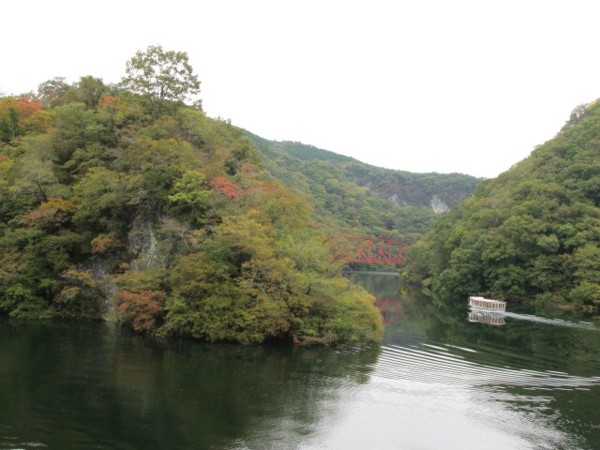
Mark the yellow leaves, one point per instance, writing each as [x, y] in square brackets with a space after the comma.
[55, 212]
[106, 243]
[244, 233]
[140, 280]
[280, 206]
[69, 293]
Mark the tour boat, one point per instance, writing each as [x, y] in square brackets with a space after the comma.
[486, 304]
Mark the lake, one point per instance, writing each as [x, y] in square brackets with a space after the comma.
[437, 381]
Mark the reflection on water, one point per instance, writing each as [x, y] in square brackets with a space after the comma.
[498, 318]
[528, 384]
[488, 319]
[437, 381]
[72, 386]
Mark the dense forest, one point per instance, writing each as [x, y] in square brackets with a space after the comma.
[362, 199]
[530, 235]
[119, 202]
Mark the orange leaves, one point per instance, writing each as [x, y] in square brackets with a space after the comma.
[107, 101]
[22, 106]
[141, 308]
[226, 187]
[18, 109]
[19, 116]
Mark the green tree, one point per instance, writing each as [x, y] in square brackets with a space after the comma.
[190, 196]
[530, 235]
[52, 92]
[33, 172]
[162, 75]
[88, 90]
[76, 127]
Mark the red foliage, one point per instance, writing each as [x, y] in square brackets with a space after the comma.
[141, 308]
[20, 116]
[21, 106]
[26, 107]
[226, 187]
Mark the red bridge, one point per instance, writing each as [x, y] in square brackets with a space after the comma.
[368, 250]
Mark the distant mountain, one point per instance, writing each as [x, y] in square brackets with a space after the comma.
[365, 198]
[531, 234]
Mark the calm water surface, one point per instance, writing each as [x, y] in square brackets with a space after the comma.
[437, 381]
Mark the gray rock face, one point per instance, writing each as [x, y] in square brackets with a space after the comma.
[438, 205]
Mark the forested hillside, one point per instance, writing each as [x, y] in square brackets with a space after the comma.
[122, 203]
[530, 235]
[365, 199]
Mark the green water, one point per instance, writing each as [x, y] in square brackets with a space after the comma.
[437, 381]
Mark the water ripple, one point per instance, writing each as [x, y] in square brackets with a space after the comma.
[428, 363]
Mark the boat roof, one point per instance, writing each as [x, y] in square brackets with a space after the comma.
[483, 299]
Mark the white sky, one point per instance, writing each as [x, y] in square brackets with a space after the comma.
[421, 85]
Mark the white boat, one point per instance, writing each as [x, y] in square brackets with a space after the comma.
[486, 304]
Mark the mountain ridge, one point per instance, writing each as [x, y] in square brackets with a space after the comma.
[408, 201]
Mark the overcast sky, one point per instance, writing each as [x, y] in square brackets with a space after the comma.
[445, 86]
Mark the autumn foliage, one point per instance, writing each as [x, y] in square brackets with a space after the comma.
[55, 212]
[107, 101]
[104, 243]
[141, 309]
[19, 116]
[149, 213]
[226, 187]
[23, 107]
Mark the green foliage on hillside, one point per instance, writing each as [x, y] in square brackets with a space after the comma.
[532, 234]
[363, 199]
[160, 217]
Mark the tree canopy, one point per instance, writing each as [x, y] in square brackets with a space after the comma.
[531, 235]
[163, 75]
[163, 219]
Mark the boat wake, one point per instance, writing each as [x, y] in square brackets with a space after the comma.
[453, 366]
[557, 322]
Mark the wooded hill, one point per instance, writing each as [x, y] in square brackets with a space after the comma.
[362, 199]
[530, 235]
[122, 203]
